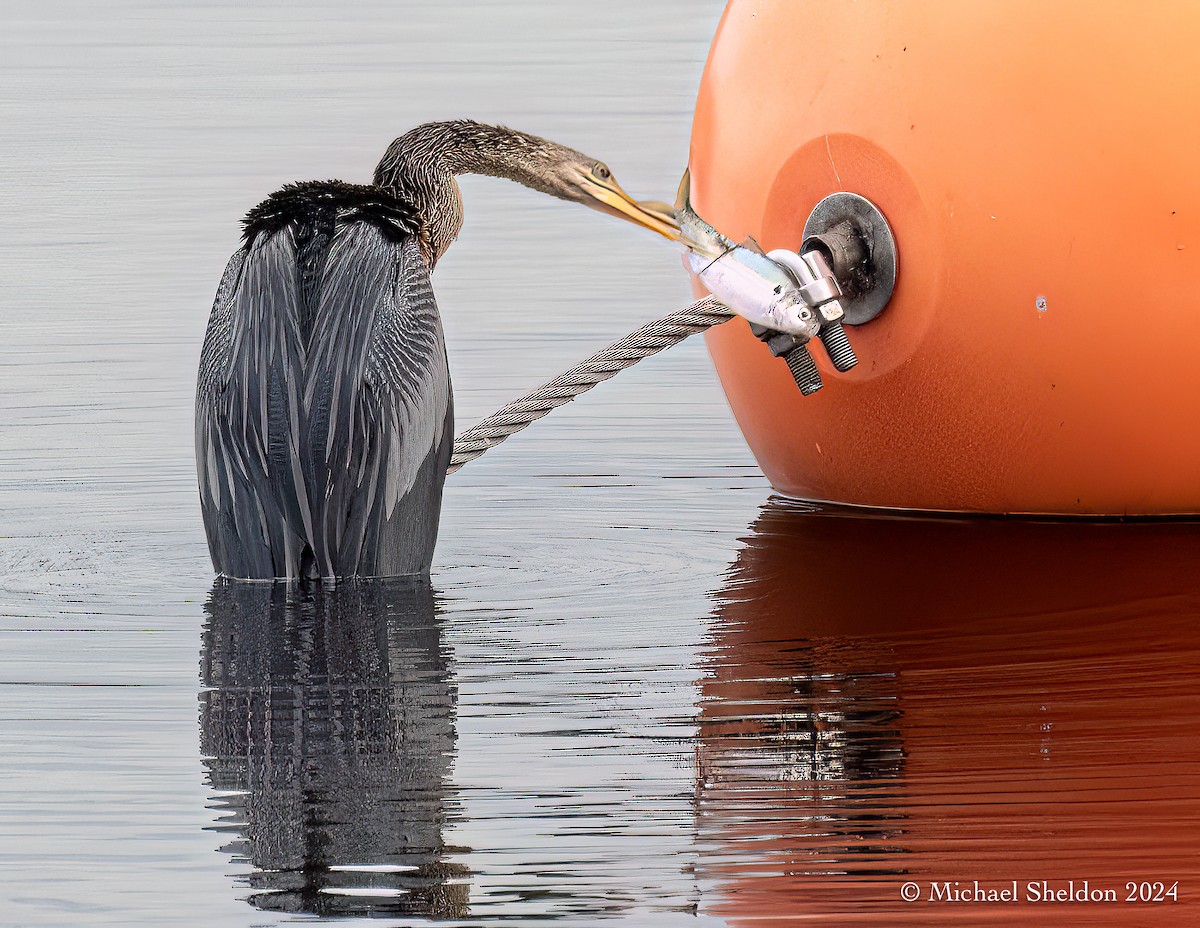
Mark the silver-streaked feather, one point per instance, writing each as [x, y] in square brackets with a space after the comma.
[379, 403]
[307, 447]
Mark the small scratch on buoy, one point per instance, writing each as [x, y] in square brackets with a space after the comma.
[829, 152]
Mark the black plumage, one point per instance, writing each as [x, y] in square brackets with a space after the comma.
[317, 204]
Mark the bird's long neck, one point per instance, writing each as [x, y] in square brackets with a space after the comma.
[421, 165]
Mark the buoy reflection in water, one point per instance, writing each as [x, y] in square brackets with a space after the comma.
[942, 702]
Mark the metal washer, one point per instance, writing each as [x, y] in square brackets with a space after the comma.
[876, 234]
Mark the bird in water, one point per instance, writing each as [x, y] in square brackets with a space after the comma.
[324, 414]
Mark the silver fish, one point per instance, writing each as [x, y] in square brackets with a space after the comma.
[749, 283]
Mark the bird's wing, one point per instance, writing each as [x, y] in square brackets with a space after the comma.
[379, 406]
[249, 418]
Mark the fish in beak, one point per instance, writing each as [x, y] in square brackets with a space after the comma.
[608, 197]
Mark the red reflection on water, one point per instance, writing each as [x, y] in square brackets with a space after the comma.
[943, 702]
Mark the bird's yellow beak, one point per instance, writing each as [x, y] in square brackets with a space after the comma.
[610, 198]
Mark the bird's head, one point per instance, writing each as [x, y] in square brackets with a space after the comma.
[421, 164]
[576, 177]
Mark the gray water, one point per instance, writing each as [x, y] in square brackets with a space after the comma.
[638, 690]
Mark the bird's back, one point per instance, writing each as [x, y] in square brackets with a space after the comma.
[324, 417]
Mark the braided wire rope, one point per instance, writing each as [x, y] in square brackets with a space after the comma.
[650, 339]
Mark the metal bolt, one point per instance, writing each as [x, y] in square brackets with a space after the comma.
[837, 345]
[804, 370]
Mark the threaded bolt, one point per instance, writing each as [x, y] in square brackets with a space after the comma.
[804, 370]
[837, 346]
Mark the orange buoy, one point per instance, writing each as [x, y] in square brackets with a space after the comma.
[1039, 165]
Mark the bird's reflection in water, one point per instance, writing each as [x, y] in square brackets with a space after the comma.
[892, 700]
[327, 728]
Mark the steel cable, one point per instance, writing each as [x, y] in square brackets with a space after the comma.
[650, 339]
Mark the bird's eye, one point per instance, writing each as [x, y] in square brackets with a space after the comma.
[602, 171]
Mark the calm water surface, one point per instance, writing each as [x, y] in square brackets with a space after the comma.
[637, 690]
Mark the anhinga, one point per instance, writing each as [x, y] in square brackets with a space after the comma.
[324, 415]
